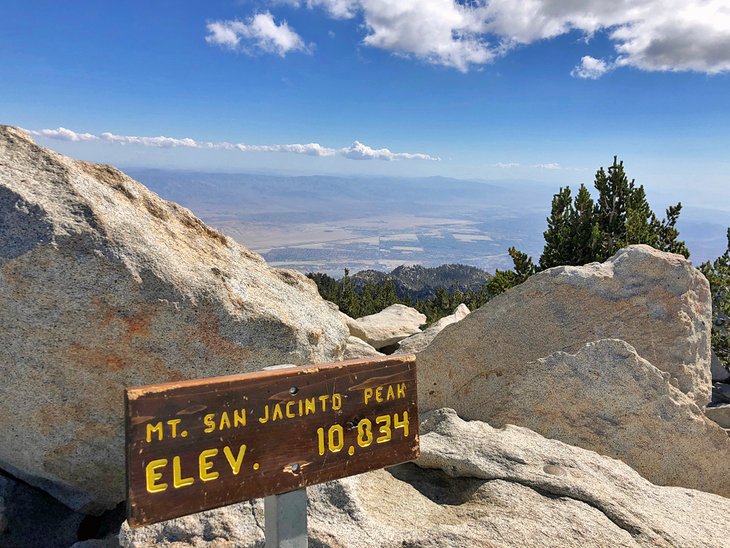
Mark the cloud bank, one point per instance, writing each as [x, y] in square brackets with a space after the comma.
[650, 35]
[356, 151]
[510, 165]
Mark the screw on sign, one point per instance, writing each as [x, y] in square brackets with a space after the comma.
[202, 444]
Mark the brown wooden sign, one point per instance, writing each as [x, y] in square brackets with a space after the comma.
[197, 445]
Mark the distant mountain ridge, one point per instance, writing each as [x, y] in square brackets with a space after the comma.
[419, 282]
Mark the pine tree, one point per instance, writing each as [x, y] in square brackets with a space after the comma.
[640, 225]
[506, 279]
[667, 233]
[611, 211]
[582, 231]
[584, 228]
[559, 243]
[348, 300]
[387, 295]
[718, 274]
[369, 300]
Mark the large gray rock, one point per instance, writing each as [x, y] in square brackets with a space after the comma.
[650, 514]
[477, 486]
[608, 399]
[104, 285]
[655, 301]
[419, 341]
[388, 326]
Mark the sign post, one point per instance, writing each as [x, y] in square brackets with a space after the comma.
[201, 444]
[285, 515]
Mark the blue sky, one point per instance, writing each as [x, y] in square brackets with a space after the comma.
[544, 90]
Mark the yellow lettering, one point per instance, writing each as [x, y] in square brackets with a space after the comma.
[177, 479]
[265, 418]
[277, 411]
[310, 406]
[173, 426]
[239, 418]
[205, 465]
[152, 476]
[368, 395]
[391, 393]
[384, 422]
[235, 463]
[379, 394]
[154, 428]
[324, 399]
[225, 421]
[290, 414]
[402, 390]
[336, 401]
[208, 421]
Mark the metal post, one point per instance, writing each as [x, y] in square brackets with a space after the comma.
[285, 520]
[285, 516]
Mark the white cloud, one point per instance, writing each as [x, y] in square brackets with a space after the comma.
[359, 151]
[339, 9]
[160, 142]
[224, 33]
[64, 134]
[590, 68]
[356, 151]
[441, 32]
[510, 165]
[260, 32]
[654, 35]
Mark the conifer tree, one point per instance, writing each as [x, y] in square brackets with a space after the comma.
[667, 233]
[584, 228]
[559, 242]
[348, 300]
[582, 231]
[386, 295]
[718, 274]
[506, 279]
[640, 225]
[613, 189]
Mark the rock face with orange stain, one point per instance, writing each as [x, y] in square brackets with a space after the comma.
[104, 285]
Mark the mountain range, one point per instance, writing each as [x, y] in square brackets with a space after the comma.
[327, 223]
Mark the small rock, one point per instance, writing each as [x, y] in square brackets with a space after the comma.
[357, 348]
[419, 341]
[388, 326]
[720, 414]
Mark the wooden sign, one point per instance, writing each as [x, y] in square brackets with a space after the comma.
[197, 445]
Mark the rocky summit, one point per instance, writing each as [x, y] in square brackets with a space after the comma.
[475, 485]
[571, 411]
[104, 285]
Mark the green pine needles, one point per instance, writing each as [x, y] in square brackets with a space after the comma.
[581, 230]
